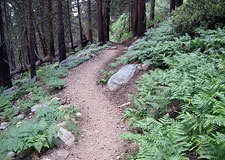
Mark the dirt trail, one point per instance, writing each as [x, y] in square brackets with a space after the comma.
[101, 123]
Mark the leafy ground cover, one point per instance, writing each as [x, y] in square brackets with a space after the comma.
[179, 111]
[37, 131]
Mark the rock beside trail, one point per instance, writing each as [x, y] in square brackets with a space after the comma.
[66, 63]
[4, 125]
[20, 116]
[122, 76]
[82, 54]
[35, 107]
[145, 66]
[11, 154]
[66, 137]
[8, 91]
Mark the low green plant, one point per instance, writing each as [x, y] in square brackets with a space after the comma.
[34, 135]
[180, 110]
[108, 75]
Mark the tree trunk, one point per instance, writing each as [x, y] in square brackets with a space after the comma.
[172, 5]
[135, 17]
[152, 12]
[178, 3]
[5, 78]
[129, 15]
[11, 56]
[141, 18]
[89, 21]
[69, 20]
[61, 36]
[31, 40]
[80, 24]
[50, 30]
[42, 33]
[106, 18]
[101, 37]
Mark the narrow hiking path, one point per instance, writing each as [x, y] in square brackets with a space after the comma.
[101, 123]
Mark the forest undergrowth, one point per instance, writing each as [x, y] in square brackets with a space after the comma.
[179, 110]
[39, 130]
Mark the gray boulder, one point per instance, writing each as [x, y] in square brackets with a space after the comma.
[66, 137]
[20, 116]
[122, 76]
[35, 107]
[8, 91]
[66, 63]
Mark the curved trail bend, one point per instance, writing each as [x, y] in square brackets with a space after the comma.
[101, 124]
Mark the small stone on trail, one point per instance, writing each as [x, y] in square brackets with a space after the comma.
[20, 116]
[11, 154]
[4, 125]
[114, 47]
[78, 114]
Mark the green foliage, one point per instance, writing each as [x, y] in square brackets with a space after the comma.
[120, 28]
[71, 111]
[36, 134]
[108, 75]
[181, 109]
[192, 14]
[157, 44]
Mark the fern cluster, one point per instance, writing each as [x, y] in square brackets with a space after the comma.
[181, 110]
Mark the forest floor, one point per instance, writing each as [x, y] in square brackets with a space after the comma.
[101, 123]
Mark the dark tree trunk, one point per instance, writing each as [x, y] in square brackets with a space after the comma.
[43, 33]
[61, 36]
[106, 18]
[135, 17]
[178, 3]
[101, 37]
[50, 30]
[129, 15]
[152, 12]
[172, 5]
[5, 78]
[69, 20]
[89, 21]
[11, 56]
[31, 40]
[141, 18]
[80, 24]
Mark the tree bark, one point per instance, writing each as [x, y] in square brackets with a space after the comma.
[61, 36]
[5, 78]
[89, 21]
[106, 18]
[141, 18]
[152, 12]
[135, 17]
[31, 40]
[101, 37]
[80, 24]
[11, 56]
[42, 33]
[172, 5]
[50, 29]
[129, 15]
[178, 3]
[69, 20]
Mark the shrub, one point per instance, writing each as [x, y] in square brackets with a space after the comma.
[192, 14]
